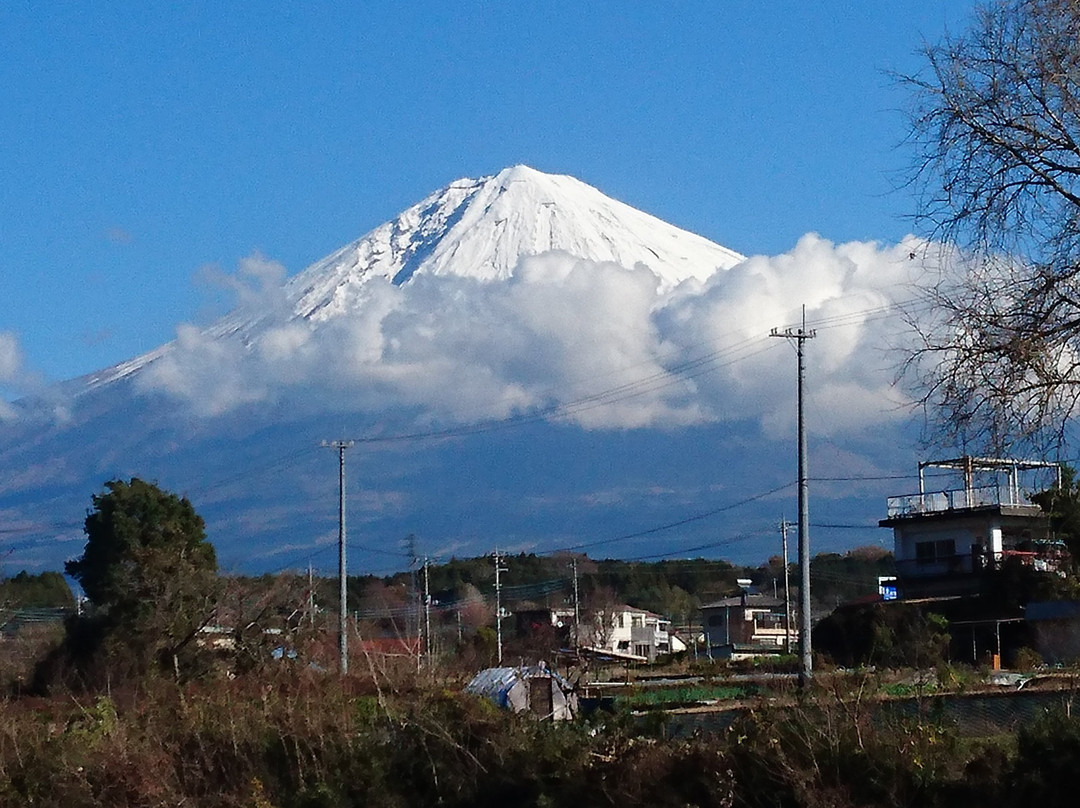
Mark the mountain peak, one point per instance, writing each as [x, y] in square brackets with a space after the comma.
[519, 173]
[479, 229]
[482, 228]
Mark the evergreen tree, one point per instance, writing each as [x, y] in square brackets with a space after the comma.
[150, 576]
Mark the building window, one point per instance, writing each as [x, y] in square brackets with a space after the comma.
[770, 620]
[931, 552]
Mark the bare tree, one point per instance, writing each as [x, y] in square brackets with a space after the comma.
[996, 126]
[601, 610]
[267, 618]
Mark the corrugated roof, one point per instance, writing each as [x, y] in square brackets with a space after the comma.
[496, 683]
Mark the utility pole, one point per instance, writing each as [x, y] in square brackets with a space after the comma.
[784, 525]
[414, 599]
[799, 336]
[343, 611]
[311, 594]
[577, 608]
[499, 568]
[427, 614]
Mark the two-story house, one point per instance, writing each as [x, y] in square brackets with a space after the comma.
[633, 632]
[973, 518]
[746, 625]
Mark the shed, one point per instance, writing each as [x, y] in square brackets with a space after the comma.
[535, 689]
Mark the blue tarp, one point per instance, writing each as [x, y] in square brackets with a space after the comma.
[496, 683]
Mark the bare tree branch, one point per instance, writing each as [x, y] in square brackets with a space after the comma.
[996, 128]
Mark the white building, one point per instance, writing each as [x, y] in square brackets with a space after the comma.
[945, 536]
[635, 633]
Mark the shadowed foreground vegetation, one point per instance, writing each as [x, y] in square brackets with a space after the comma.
[297, 738]
[135, 703]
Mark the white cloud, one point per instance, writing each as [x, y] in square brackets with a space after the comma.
[15, 380]
[11, 358]
[214, 375]
[563, 331]
[849, 291]
[256, 286]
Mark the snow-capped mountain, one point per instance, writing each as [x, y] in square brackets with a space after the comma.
[483, 228]
[480, 229]
[629, 360]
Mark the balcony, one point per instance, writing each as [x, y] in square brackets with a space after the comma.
[1049, 556]
[941, 565]
[957, 499]
[769, 622]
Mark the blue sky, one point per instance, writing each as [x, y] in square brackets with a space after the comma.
[142, 142]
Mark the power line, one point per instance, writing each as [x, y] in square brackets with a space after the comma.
[377, 550]
[40, 528]
[613, 395]
[710, 546]
[259, 470]
[601, 542]
[670, 525]
[680, 371]
[738, 351]
[861, 478]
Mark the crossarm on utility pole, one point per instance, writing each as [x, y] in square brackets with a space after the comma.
[799, 336]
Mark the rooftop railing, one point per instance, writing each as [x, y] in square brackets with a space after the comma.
[940, 501]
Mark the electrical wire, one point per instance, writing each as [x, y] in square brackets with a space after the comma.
[649, 384]
[668, 526]
[675, 374]
[710, 546]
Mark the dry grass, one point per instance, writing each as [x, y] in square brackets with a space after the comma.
[290, 736]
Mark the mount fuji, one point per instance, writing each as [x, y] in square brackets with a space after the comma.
[518, 361]
[476, 229]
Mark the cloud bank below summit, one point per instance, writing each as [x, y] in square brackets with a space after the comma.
[561, 331]
[16, 379]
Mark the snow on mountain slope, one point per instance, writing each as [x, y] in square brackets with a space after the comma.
[479, 229]
[483, 228]
[646, 397]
